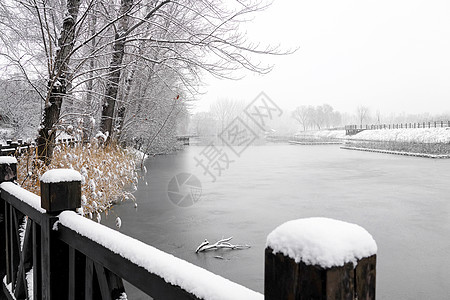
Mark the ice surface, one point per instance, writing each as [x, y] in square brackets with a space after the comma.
[60, 175]
[198, 281]
[322, 241]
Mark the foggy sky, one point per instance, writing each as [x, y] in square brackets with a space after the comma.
[391, 55]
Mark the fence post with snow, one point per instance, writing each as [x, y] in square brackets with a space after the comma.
[320, 258]
[60, 190]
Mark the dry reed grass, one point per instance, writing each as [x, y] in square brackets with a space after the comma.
[108, 173]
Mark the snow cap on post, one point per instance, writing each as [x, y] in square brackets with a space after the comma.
[322, 241]
[60, 190]
[8, 168]
[320, 258]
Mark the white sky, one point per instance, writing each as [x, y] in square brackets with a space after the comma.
[391, 55]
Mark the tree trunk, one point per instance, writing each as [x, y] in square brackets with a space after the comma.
[57, 84]
[87, 129]
[122, 109]
[115, 70]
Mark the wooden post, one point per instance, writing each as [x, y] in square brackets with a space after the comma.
[8, 172]
[286, 279]
[56, 197]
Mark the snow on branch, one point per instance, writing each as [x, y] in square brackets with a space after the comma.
[221, 244]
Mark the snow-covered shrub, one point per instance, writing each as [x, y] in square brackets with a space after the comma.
[108, 173]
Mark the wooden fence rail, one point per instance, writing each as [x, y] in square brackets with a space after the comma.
[19, 146]
[40, 248]
[353, 129]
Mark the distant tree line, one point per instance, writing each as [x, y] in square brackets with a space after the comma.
[317, 117]
[323, 116]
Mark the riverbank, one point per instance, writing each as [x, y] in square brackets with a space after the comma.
[319, 137]
[423, 142]
[315, 143]
[417, 154]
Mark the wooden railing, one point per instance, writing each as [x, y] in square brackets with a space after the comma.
[47, 251]
[353, 129]
[19, 146]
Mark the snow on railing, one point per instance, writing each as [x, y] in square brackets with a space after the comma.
[23, 195]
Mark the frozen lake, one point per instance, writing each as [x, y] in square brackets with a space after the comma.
[404, 202]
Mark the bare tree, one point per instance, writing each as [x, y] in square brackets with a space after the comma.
[362, 113]
[302, 115]
[203, 124]
[224, 110]
[378, 116]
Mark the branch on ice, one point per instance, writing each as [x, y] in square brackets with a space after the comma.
[223, 243]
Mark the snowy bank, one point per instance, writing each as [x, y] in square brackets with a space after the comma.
[189, 277]
[405, 153]
[321, 134]
[322, 241]
[137, 155]
[412, 135]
